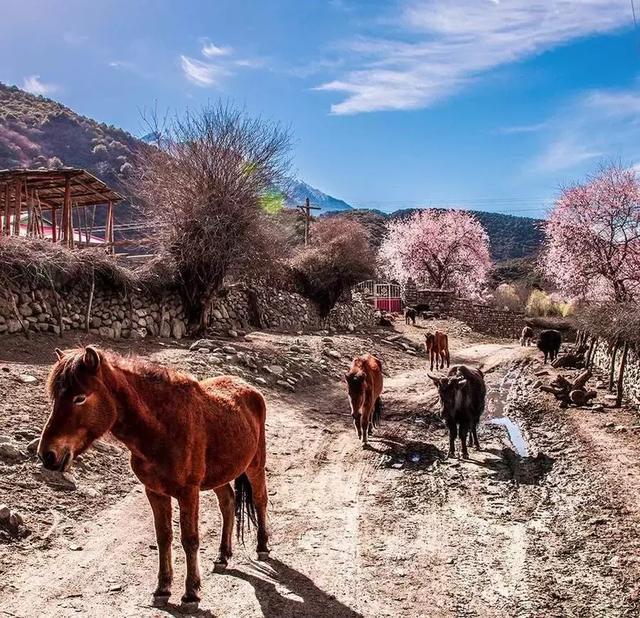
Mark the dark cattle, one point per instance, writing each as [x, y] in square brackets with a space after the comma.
[526, 337]
[410, 315]
[549, 342]
[462, 394]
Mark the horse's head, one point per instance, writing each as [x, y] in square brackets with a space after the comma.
[355, 384]
[83, 407]
[429, 340]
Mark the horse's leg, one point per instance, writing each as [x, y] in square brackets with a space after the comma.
[356, 424]
[189, 504]
[431, 356]
[227, 504]
[474, 429]
[365, 421]
[161, 507]
[258, 480]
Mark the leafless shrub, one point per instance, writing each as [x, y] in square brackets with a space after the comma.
[203, 189]
[611, 321]
[338, 257]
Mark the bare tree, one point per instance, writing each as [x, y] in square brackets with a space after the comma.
[338, 257]
[204, 189]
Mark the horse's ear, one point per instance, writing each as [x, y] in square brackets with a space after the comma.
[91, 358]
[59, 353]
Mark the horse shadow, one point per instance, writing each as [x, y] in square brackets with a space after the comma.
[399, 452]
[509, 466]
[304, 598]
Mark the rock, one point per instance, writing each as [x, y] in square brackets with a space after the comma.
[261, 381]
[5, 513]
[276, 370]
[64, 480]
[13, 326]
[203, 343]
[4, 439]
[10, 452]
[165, 329]
[232, 333]
[25, 310]
[351, 327]
[229, 349]
[178, 328]
[333, 354]
[286, 385]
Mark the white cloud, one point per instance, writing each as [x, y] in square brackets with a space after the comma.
[33, 85]
[201, 73]
[440, 46]
[525, 128]
[209, 50]
[599, 124]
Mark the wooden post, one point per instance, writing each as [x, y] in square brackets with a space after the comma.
[54, 227]
[17, 208]
[623, 363]
[66, 212]
[306, 210]
[7, 209]
[109, 229]
[612, 366]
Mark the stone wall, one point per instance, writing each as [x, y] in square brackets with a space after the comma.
[631, 380]
[481, 318]
[242, 306]
[136, 315]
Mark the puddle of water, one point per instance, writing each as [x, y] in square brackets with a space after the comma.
[498, 410]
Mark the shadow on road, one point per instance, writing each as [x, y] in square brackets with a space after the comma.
[283, 592]
[511, 467]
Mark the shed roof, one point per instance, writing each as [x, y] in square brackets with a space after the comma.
[85, 188]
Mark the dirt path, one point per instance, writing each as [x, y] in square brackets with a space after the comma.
[392, 531]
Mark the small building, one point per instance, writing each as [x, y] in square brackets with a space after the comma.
[383, 295]
[52, 204]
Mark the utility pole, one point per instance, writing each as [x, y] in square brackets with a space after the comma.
[306, 210]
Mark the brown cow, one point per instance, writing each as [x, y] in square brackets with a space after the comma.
[437, 345]
[364, 381]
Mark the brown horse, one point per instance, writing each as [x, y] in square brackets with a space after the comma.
[364, 381]
[437, 346]
[184, 436]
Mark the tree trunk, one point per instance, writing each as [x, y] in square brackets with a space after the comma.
[612, 368]
[623, 363]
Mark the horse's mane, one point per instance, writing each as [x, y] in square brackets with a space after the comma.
[70, 370]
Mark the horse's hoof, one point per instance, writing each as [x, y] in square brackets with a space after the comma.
[263, 555]
[160, 600]
[219, 567]
[189, 607]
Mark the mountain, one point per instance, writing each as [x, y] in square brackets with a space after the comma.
[39, 132]
[299, 191]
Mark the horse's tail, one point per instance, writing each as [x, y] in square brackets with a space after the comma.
[377, 412]
[245, 507]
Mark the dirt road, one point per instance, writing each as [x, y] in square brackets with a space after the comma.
[397, 530]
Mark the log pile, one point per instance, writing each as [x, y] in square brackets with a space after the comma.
[571, 392]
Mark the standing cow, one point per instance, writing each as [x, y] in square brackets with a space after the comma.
[462, 397]
[364, 382]
[549, 342]
[526, 337]
[410, 315]
[437, 346]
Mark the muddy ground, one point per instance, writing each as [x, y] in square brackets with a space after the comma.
[544, 521]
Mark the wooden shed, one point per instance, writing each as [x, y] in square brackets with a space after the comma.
[53, 204]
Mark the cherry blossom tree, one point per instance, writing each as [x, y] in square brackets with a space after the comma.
[592, 248]
[440, 249]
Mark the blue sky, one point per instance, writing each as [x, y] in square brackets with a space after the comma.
[485, 104]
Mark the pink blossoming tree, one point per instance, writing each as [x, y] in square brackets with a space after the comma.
[592, 246]
[438, 249]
